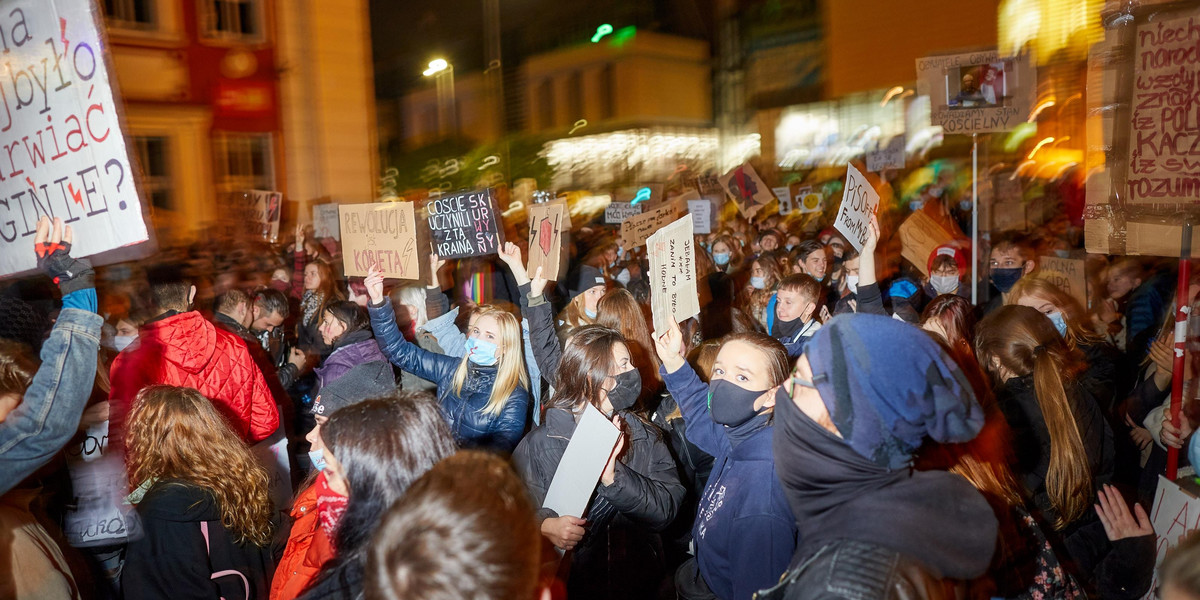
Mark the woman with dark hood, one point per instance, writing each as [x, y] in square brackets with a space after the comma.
[848, 424]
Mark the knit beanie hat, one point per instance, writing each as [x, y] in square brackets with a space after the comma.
[587, 278]
[888, 385]
[362, 382]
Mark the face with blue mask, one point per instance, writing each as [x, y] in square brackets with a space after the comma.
[1060, 323]
[1052, 312]
[316, 455]
[483, 341]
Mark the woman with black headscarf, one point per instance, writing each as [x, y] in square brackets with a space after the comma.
[847, 426]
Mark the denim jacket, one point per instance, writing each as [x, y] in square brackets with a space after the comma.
[49, 413]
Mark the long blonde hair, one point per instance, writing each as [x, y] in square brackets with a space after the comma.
[1078, 332]
[510, 371]
[1023, 341]
[169, 427]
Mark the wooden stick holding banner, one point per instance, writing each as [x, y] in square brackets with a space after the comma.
[380, 234]
[673, 292]
[545, 239]
[859, 202]
[1183, 307]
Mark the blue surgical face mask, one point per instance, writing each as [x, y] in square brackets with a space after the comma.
[1060, 323]
[789, 247]
[481, 352]
[624, 277]
[317, 457]
[120, 342]
[820, 279]
[721, 258]
[591, 314]
[944, 284]
[758, 283]
[852, 283]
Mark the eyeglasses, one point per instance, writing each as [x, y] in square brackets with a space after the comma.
[797, 380]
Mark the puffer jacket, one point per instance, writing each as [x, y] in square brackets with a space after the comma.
[620, 556]
[860, 571]
[308, 549]
[184, 349]
[355, 348]
[463, 411]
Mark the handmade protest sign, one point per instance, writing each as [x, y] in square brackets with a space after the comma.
[1164, 152]
[977, 92]
[99, 515]
[673, 290]
[325, 221]
[784, 194]
[617, 212]
[545, 239]
[810, 201]
[581, 464]
[382, 234]
[1068, 274]
[254, 213]
[465, 224]
[747, 189]
[859, 202]
[60, 121]
[635, 230]
[702, 215]
[1175, 514]
[889, 157]
[920, 235]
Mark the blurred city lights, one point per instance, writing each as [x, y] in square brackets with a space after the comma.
[436, 66]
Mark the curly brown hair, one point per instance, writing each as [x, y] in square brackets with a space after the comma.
[169, 427]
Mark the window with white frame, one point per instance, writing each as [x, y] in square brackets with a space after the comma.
[244, 162]
[130, 14]
[237, 20]
[153, 153]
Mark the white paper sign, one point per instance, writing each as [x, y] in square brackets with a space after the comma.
[582, 464]
[263, 211]
[60, 123]
[859, 202]
[99, 515]
[784, 195]
[808, 200]
[1175, 514]
[889, 157]
[673, 290]
[616, 212]
[701, 211]
[272, 454]
[325, 221]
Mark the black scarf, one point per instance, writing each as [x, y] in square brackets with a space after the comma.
[785, 330]
[933, 517]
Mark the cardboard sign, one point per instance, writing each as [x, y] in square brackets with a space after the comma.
[809, 201]
[785, 199]
[1162, 166]
[1175, 514]
[260, 211]
[466, 224]
[60, 121]
[977, 92]
[673, 290]
[272, 454]
[702, 215]
[1068, 274]
[325, 221]
[384, 234]
[891, 156]
[545, 239]
[635, 230]
[747, 190]
[859, 202]
[581, 464]
[617, 212]
[919, 237]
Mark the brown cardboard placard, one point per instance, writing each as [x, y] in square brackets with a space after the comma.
[383, 234]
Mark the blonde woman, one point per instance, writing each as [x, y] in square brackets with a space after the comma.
[206, 515]
[484, 395]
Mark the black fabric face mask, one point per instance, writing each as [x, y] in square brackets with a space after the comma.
[625, 394]
[734, 405]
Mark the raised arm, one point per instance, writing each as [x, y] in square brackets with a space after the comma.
[299, 261]
[689, 393]
[402, 353]
[870, 297]
[547, 350]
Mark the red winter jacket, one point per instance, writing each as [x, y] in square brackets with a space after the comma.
[186, 350]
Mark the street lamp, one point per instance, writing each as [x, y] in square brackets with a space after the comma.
[443, 77]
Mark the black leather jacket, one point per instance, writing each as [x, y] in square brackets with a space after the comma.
[859, 571]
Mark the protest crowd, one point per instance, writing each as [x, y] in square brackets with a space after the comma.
[238, 418]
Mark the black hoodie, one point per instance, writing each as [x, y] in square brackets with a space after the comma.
[175, 560]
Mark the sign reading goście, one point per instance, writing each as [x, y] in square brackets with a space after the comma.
[64, 151]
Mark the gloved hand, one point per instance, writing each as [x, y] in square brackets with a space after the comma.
[53, 248]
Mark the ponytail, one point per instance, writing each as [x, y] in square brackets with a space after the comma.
[1069, 477]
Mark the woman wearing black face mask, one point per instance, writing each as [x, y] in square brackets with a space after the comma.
[744, 534]
[618, 554]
